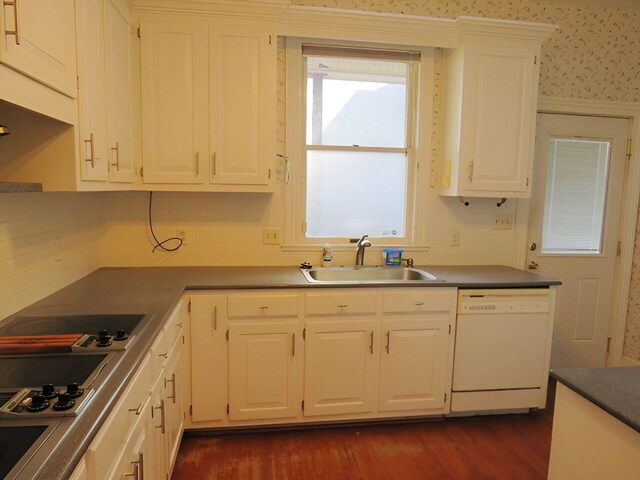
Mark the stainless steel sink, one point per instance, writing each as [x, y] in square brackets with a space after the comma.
[368, 275]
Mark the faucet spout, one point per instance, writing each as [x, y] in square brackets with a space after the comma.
[360, 246]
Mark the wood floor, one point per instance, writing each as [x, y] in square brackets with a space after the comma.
[493, 447]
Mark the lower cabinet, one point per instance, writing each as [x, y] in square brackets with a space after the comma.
[340, 367]
[267, 357]
[264, 366]
[140, 438]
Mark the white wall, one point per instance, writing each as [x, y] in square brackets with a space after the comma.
[47, 241]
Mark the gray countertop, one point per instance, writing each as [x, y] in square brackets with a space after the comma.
[17, 187]
[615, 390]
[154, 292]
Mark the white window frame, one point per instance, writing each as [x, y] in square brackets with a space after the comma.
[420, 109]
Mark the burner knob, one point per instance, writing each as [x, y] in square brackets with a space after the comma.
[73, 390]
[103, 334]
[104, 339]
[38, 403]
[48, 391]
[64, 402]
[121, 335]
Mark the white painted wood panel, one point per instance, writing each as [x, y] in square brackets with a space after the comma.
[263, 306]
[417, 301]
[341, 303]
[175, 110]
[243, 94]
[340, 367]
[413, 364]
[44, 48]
[264, 365]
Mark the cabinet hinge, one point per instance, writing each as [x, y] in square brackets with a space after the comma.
[303, 405]
[628, 148]
[227, 335]
[227, 409]
[78, 84]
[527, 182]
[269, 39]
[142, 171]
[138, 32]
[189, 306]
[619, 248]
[449, 329]
[608, 344]
[269, 174]
[445, 398]
[535, 59]
[183, 339]
[190, 409]
[304, 333]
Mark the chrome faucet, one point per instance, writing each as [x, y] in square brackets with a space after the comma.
[361, 245]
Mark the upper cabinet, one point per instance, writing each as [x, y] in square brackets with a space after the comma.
[38, 40]
[490, 101]
[208, 105]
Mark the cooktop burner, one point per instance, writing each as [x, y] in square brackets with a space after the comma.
[61, 324]
[15, 442]
[37, 370]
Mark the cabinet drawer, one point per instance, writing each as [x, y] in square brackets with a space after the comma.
[173, 326]
[251, 306]
[340, 303]
[417, 301]
[158, 353]
[109, 442]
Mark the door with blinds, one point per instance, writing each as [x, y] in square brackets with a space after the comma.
[578, 180]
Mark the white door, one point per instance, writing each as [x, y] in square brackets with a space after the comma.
[264, 370]
[413, 363]
[175, 102]
[39, 40]
[340, 367]
[574, 220]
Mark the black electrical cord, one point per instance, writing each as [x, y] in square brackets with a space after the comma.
[160, 244]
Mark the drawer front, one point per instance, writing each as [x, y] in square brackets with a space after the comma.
[173, 326]
[263, 306]
[342, 303]
[417, 301]
[159, 352]
[108, 444]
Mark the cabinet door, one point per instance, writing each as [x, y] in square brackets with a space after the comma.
[156, 428]
[413, 363]
[175, 102]
[117, 33]
[264, 369]
[209, 358]
[39, 41]
[173, 402]
[243, 95]
[340, 367]
[92, 104]
[498, 119]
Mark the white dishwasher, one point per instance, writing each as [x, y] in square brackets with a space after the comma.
[502, 349]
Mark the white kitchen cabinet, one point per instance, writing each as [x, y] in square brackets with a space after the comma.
[38, 40]
[156, 449]
[174, 412]
[413, 364]
[243, 96]
[209, 358]
[340, 367]
[175, 98]
[489, 121]
[265, 361]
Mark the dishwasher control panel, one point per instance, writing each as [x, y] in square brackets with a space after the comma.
[518, 301]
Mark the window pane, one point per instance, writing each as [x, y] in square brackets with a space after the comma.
[350, 194]
[575, 196]
[356, 102]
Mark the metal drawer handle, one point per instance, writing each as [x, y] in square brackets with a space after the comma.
[136, 470]
[163, 355]
[371, 343]
[91, 151]
[417, 304]
[137, 410]
[173, 387]
[15, 32]
[117, 149]
[161, 408]
[343, 305]
[388, 341]
[293, 345]
[214, 316]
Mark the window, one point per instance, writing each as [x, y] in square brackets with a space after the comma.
[357, 154]
[575, 196]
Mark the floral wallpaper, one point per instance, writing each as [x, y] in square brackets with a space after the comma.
[595, 54]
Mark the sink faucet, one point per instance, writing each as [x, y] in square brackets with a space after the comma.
[361, 245]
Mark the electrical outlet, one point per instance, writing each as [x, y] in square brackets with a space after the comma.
[271, 236]
[503, 222]
[454, 238]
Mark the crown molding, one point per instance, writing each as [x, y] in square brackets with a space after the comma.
[499, 28]
[266, 9]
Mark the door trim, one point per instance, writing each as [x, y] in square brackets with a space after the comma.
[628, 216]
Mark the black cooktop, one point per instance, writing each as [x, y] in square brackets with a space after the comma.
[36, 370]
[61, 324]
[14, 443]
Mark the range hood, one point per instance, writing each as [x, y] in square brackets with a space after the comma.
[16, 187]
